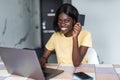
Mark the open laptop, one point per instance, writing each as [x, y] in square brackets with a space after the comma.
[25, 63]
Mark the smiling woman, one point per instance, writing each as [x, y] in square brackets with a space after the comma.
[69, 41]
[65, 23]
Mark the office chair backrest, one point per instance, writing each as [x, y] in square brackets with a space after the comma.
[92, 56]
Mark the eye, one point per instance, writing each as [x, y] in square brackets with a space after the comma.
[59, 20]
[64, 20]
[67, 20]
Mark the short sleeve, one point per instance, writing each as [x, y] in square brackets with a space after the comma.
[50, 44]
[85, 38]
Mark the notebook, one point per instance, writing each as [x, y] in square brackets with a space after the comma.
[25, 63]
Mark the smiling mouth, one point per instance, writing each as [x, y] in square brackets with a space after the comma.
[63, 29]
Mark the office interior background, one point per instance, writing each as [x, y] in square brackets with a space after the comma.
[20, 25]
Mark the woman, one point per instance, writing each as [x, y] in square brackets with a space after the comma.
[69, 41]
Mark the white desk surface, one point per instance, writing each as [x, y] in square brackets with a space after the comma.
[97, 71]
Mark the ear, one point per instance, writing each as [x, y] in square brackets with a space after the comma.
[74, 22]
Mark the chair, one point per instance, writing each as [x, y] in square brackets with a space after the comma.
[92, 56]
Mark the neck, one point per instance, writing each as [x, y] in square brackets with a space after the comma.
[69, 33]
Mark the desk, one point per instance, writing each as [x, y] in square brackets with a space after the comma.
[98, 71]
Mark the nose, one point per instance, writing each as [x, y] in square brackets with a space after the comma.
[62, 23]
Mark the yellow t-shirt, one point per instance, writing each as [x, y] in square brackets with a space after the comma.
[63, 46]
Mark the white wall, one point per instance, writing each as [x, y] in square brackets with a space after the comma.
[102, 19]
[19, 23]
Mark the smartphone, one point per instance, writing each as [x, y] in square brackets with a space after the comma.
[81, 19]
[82, 76]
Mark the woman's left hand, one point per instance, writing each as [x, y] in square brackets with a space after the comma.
[76, 29]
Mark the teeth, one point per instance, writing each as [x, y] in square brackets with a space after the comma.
[63, 28]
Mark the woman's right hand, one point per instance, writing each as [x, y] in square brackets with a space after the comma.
[44, 58]
[43, 62]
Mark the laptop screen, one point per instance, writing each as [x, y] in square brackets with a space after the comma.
[24, 63]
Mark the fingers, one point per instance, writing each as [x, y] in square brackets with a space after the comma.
[43, 62]
[77, 27]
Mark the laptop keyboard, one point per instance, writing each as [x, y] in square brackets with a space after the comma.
[51, 72]
[48, 72]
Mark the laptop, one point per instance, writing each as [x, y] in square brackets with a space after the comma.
[25, 63]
